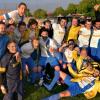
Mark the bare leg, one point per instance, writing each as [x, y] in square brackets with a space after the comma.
[63, 75]
[65, 94]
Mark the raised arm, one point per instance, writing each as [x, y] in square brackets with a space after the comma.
[2, 18]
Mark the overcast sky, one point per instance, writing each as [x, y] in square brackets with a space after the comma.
[48, 5]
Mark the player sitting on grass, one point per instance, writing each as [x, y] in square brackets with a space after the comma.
[89, 85]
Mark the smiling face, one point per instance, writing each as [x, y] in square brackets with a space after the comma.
[2, 28]
[97, 25]
[44, 34]
[74, 22]
[22, 29]
[71, 44]
[63, 23]
[96, 73]
[22, 10]
[12, 47]
[11, 29]
[88, 24]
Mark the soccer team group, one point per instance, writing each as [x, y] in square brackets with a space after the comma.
[63, 52]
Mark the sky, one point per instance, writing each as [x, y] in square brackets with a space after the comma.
[48, 5]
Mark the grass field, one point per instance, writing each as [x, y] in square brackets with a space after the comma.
[38, 93]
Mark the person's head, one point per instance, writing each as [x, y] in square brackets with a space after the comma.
[97, 24]
[47, 24]
[22, 7]
[11, 47]
[88, 24]
[32, 24]
[74, 21]
[35, 43]
[96, 72]
[83, 53]
[63, 22]
[22, 27]
[2, 27]
[71, 44]
[44, 33]
[89, 66]
[10, 28]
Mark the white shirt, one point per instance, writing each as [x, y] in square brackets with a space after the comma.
[85, 81]
[27, 50]
[44, 46]
[95, 39]
[17, 35]
[59, 33]
[68, 55]
[13, 15]
[84, 37]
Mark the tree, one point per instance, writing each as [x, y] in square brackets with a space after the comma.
[86, 7]
[59, 11]
[28, 13]
[72, 8]
[40, 13]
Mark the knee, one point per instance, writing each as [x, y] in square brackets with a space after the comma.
[39, 68]
[63, 75]
[35, 69]
[57, 68]
[65, 94]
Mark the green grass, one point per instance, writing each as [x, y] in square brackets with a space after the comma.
[33, 93]
[38, 93]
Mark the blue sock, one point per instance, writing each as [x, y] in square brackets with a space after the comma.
[53, 97]
[55, 79]
[40, 74]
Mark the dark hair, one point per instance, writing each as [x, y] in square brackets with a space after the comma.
[88, 20]
[71, 40]
[44, 30]
[8, 25]
[21, 24]
[74, 18]
[22, 3]
[11, 41]
[31, 22]
[1, 22]
[97, 20]
[98, 68]
[60, 18]
[46, 21]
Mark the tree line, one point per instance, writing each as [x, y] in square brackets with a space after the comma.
[84, 7]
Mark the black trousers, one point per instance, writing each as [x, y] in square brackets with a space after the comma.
[14, 86]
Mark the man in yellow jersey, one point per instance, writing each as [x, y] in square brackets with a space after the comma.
[74, 30]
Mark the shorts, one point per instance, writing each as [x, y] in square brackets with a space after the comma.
[42, 61]
[74, 87]
[29, 62]
[52, 61]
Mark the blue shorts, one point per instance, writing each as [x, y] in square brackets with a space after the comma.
[74, 87]
[95, 53]
[58, 56]
[29, 62]
[42, 61]
[52, 61]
